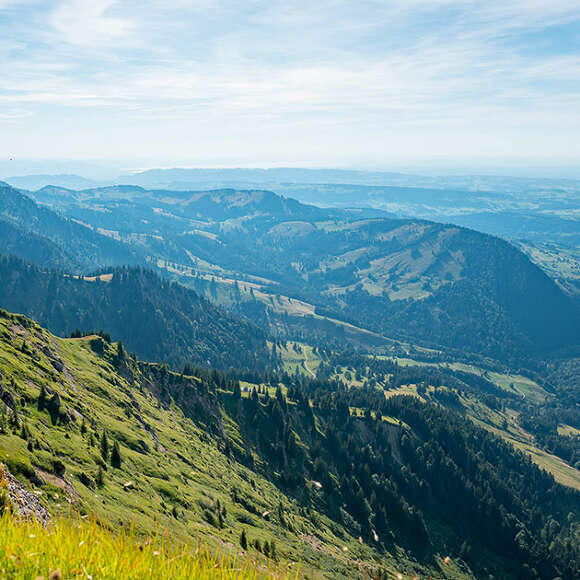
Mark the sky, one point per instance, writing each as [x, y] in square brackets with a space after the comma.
[367, 84]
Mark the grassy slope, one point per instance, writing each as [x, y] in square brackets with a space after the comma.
[510, 382]
[172, 474]
[298, 357]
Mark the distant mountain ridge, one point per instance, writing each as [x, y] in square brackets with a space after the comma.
[38, 181]
[68, 244]
[192, 177]
[537, 209]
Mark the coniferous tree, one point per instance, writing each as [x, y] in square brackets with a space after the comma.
[100, 479]
[42, 398]
[121, 355]
[237, 391]
[53, 407]
[116, 455]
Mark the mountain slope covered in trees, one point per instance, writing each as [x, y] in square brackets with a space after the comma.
[31, 247]
[346, 480]
[157, 319]
[61, 240]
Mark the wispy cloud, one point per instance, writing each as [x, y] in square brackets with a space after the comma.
[347, 78]
[87, 23]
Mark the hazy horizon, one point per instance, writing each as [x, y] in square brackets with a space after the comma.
[99, 170]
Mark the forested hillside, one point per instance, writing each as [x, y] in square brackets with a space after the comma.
[156, 319]
[348, 480]
[61, 240]
[356, 462]
[31, 247]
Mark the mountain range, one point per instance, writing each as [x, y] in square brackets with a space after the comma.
[414, 280]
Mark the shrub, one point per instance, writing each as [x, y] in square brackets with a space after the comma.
[86, 480]
[58, 467]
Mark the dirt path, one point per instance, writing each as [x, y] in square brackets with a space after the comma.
[305, 364]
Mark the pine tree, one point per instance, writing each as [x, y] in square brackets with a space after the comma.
[116, 455]
[121, 354]
[14, 421]
[100, 477]
[42, 398]
[281, 399]
[53, 407]
[237, 391]
[244, 540]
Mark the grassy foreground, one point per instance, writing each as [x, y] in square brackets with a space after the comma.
[83, 549]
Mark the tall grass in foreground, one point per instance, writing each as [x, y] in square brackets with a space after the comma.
[69, 549]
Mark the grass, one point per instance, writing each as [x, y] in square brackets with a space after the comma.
[167, 490]
[527, 388]
[84, 549]
[511, 382]
[568, 430]
[505, 425]
[557, 261]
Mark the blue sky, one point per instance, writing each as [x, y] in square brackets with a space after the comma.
[329, 83]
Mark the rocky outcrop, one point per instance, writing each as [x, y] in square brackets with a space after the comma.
[24, 502]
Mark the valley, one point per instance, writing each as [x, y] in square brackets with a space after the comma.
[411, 280]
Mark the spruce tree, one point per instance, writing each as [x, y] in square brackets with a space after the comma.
[237, 391]
[121, 354]
[53, 407]
[100, 477]
[42, 398]
[116, 455]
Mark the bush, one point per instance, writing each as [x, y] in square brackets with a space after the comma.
[18, 465]
[86, 480]
[58, 467]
